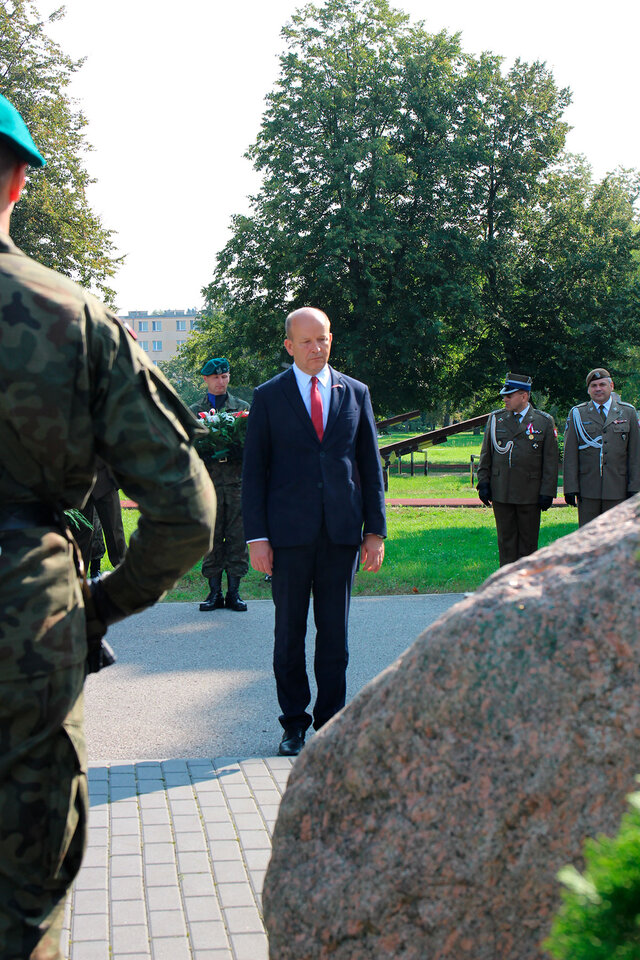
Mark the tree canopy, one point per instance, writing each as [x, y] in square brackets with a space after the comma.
[53, 221]
[421, 197]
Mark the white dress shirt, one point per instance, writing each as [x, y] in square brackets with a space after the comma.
[324, 386]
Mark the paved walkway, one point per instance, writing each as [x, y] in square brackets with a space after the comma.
[176, 860]
[178, 848]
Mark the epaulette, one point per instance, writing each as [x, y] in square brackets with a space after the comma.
[623, 403]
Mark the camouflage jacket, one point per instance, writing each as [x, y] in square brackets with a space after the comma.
[229, 471]
[74, 386]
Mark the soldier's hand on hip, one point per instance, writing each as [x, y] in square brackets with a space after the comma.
[484, 493]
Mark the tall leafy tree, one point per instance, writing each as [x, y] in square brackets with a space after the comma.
[53, 221]
[417, 194]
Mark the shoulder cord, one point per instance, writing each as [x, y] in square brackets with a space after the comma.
[587, 441]
[508, 447]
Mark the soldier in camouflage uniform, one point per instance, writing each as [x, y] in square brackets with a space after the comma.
[601, 450]
[518, 470]
[73, 386]
[229, 547]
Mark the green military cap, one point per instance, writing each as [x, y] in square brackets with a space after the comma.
[13, 131]
[598, 374]
[215, 365]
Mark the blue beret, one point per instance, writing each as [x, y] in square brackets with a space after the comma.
[215, 365]
[13, 131]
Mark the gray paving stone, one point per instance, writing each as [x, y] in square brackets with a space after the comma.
[229, 871]
[221, 830]
[243, 919]
[125, 845]
[250, 946]
[167, 923]
[125, 912]
[84, 950]
[159, 853]
[126, 866]
[193, 862]
[160, 874]
[235, 894]
[157, 832]
[257, 859]
[90, 901]
[171, 948]
[125, 825]
[164, 898]
[92, 878]
[255, 839]
[89, 926]
[132, 938]
[201, 908]
[197, 885]
[208, 935]
[127, 888]
[186, 842]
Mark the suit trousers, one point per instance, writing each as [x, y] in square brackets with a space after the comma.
[518, 528]
[590, 509]
[327, 570]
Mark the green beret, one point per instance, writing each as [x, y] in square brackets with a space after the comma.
[13, 131]
[216, 365]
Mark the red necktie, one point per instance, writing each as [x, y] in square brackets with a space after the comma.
[316, 408]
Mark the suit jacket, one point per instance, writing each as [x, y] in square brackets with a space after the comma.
[532, 468]
[291, 480]
[620, 454]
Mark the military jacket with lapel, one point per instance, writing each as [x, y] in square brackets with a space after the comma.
[530, 468]
[620, 434]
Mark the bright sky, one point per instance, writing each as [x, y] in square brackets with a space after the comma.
[174, 94]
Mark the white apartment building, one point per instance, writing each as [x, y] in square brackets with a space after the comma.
[160, 334]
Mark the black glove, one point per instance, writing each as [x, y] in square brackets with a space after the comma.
[100, 612]
[484, 492]
[544, 502]
[570, 499]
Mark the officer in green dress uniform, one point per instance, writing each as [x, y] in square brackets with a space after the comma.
[74, 387]
[601, 450]
[229, 551]
[518, 470]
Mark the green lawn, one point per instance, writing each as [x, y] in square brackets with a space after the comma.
[429, 550]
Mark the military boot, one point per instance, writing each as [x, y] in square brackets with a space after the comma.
[233, 600]
[215, 600]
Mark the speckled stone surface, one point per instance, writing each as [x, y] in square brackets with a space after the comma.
[428, 820]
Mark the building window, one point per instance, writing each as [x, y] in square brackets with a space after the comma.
[157, 345]
[155, 363]
[181, 324]
[144, 344]
[180, 343]
[156, 325]
[143, 326]
[193, 324]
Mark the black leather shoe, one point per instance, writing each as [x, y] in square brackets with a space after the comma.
[234, 601]
[292, 742]
[215, 600]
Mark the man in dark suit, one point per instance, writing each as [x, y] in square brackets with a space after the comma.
[311, 487]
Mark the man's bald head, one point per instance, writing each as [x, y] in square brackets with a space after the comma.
[308, 339]
[305, 312]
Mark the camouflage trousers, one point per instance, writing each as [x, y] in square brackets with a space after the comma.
[229, 551]
[43, 809]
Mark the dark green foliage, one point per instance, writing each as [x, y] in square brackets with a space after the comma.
[419, 195]
[53, 221]
[600, 915]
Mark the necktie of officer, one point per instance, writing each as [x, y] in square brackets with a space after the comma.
[316, 408]
[602, 414]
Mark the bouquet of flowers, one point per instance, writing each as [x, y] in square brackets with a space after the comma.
[226, 435]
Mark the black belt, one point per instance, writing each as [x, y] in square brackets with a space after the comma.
[19, 516]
